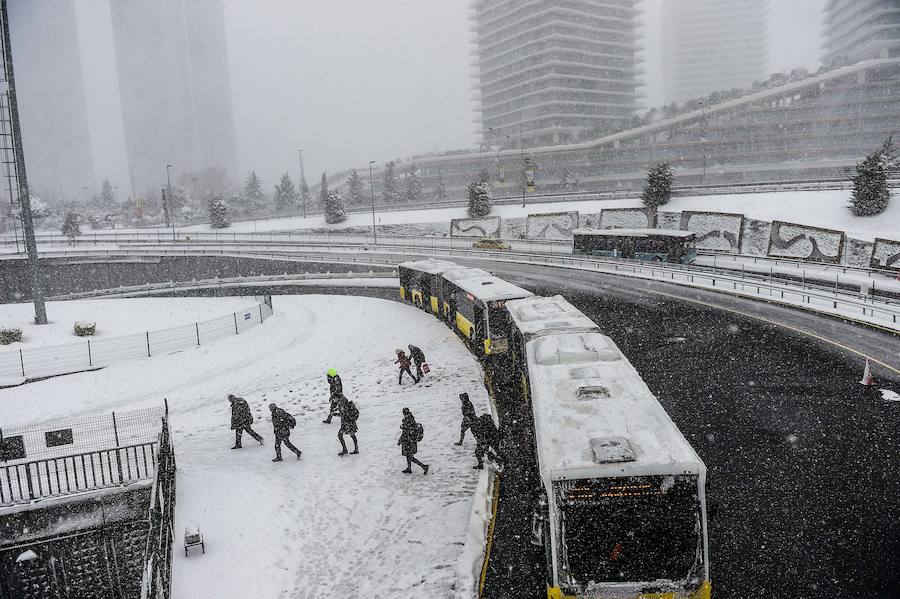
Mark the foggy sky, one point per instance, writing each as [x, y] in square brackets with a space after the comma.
[353, 81]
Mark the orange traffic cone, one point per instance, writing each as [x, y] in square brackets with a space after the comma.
[867, 378]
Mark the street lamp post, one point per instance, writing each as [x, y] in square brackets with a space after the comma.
[524, 166]
[372, 192]
[302, 179]
[499, 170]
[703, 138]
[169, 197]
[137, 205]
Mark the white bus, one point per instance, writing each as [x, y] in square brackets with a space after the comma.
[622, 508]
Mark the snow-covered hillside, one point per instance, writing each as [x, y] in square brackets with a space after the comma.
[326, 525]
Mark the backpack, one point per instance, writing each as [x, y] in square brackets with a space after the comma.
[420, 432]
[352, 411]
[291, 421]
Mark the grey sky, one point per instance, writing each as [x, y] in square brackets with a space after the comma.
[353, 81]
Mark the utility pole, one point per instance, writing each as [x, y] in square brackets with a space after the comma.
[24, 199]
[703, 138]
[171, 204]
[372, 191]
[302, 183]
[139, 208]
[499, 170]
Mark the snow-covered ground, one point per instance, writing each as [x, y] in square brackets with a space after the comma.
[113, 317]
[324, 525]
[827, 209]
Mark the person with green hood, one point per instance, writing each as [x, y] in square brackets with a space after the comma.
[336, 389]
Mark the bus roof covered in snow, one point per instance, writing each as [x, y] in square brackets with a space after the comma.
[489, 288]
[636, 233]
[537, 315]
[595, 417]
[430, 265]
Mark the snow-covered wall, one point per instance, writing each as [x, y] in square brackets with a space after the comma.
[789, 240]
[715, 230]
[553, 225]
[625, 218]
[886, 254]
[475, 227]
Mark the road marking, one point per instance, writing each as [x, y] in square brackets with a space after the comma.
[780, 324]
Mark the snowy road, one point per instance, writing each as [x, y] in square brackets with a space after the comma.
[355, 526]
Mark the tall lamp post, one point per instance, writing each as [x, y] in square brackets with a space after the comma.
[703, 138]
[499, 170]
[138, 207]
[169, 197]
[372, 192]
[302, 179]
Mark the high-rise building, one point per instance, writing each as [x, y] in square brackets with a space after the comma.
[713, 45]
[174, 86]
[861, 29]
[549, 70]
[52, 110]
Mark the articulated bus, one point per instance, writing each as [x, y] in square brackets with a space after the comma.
[419, 281]
[659, 245]
[621, 511]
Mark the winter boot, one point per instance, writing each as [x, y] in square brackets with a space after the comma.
[425, 469]
[407, 471]
[236, 447]
[276, 459]
[299, 453]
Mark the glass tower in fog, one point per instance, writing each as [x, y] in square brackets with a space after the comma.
[861, 29]
[713, 45]
[174, 85]
[52, 108]
[553, 69]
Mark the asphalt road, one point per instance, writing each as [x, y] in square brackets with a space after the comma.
[804, 488]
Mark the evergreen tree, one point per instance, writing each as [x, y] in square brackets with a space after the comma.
[389, 195]
[254, 197]
[218, 212]
[658, 189]
[478, 193]
[355, 188]
[439, 194]
[70, 226]
[285, 194]
[412, 186]
[871, 194]
[304, 195]
[107, 203]
[334, 208]
[323, 191]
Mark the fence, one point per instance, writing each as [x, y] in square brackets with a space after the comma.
[77, 455]
[40, 362]
[157, 579]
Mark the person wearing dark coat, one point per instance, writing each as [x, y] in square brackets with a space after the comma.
[409, 442]
[349, 414]
[335, 388]
[404, 363]
[468, 416]
[282, 423]
[241, 419]
[487, 437]
[418, 358]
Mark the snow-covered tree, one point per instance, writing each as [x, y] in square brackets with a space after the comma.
[439, 193]
[218, 213]
[412, 186]
[304, 195]
[285, 194]
[70, 227]
[478, 193]
[871, 194]
[254, 197]
[389, 194]
[323, 190]
[355, 188]
[107, 201]
[658, 188]
[334, 208]
[39, 208]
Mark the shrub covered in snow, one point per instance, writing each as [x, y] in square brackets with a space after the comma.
[8, 336]
[334, 208]
[218, 213]
[871, 194]
[478, 193]
[658, 189]
[70, 227]
[84, 328]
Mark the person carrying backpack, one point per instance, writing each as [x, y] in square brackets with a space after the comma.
[468, 416]
[349, 414]
[411, 433]
[487, 437]
[241, 419]
[418, 358]
[335, 389]
[404, 363]
[282, 423]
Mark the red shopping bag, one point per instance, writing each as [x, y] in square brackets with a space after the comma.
[426, 368]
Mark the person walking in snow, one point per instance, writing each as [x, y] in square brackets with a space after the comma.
[404, 363]
[335, 389]
[468, 416]
[487, 437]
[282, 423]
[349, 414]
[410, 435]
[418, 358]
[241, 419]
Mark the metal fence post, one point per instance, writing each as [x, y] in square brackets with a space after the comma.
[235, 323]
[22, 362]
[148, 344]
[90, 361]
[118, 456]
[197, 326]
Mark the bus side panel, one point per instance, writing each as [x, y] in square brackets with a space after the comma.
[704, 592]
[434, 305]
[464, 325]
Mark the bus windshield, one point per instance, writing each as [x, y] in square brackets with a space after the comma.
[638, 529]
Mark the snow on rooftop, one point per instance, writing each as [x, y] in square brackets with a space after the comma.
[491, 288]
[430, 265]
[585, 392]
[542, 315]
[634, 232]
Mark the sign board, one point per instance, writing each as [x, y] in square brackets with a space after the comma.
[553, 225]
[802, 242]
[715, 230]
[886, 254]
[475, 227]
